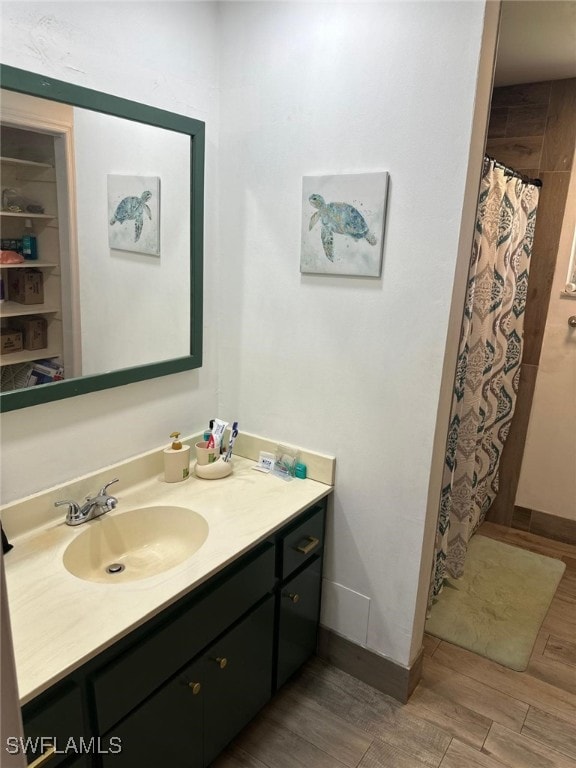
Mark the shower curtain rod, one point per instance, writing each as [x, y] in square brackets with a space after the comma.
[511, 172]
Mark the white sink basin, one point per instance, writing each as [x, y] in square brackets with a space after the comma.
[135, 544]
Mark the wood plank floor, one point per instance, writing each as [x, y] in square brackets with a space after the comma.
[467, 711]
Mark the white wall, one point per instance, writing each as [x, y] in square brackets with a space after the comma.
[348, 366]
[351, 367]
[164, 55]
[548, 475]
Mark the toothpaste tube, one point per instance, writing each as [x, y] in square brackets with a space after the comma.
[218, 433]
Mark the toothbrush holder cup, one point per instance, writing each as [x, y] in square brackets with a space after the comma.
[205, 455]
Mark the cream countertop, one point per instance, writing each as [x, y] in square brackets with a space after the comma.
[60, 621]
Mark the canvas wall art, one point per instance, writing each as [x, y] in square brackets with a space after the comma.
[134, 213]
[343, 223]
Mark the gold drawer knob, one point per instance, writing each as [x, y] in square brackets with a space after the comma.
[222, 661]
[195, 688]
[293, 596]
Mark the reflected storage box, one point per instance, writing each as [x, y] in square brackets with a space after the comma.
[34, 331]
[45, 371]
[26, 286]
[10, 340]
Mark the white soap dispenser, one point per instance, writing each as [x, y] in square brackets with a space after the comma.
[176, 460]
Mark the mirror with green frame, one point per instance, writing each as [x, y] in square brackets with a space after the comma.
[112, 193]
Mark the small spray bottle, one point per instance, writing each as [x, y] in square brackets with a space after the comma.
[176, 460]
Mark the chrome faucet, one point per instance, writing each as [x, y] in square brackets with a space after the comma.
[93, 507]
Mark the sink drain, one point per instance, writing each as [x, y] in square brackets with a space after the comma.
[115, 568]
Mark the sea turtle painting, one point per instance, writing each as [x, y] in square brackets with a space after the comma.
[340, 219]
[133, 209]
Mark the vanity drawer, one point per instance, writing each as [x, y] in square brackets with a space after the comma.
[303, 542]
[129, 679]
[52, 721]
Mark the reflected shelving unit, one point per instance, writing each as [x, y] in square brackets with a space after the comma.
[30, 175]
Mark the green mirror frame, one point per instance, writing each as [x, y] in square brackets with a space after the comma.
[14, 79]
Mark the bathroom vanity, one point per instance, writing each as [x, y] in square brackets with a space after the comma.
[177, 690]
[175, 685]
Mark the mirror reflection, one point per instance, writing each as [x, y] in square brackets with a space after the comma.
[100, 259]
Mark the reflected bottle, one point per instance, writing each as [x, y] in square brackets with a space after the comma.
[29, 242]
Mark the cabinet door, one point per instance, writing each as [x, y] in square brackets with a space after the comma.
[165, 730]
[299, 609]
[238, 674]
[192, 718]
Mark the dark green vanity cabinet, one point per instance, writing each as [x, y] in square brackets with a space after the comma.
[299, 553]
[178, 689]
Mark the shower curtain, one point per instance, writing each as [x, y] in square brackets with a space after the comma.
[488, 367]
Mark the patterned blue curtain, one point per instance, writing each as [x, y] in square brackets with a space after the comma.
[488, 368]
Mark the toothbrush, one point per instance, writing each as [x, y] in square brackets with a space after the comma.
[233, 436]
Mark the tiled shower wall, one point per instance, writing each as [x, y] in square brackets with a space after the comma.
[533, 130]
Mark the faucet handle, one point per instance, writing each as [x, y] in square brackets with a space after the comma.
[102, 491]
[72, 505]
[73, 509]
